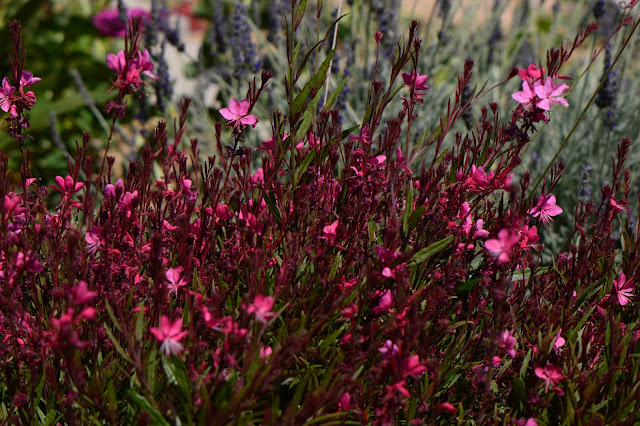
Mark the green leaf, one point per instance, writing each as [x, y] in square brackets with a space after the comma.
[177, 375]
[299, 14]
[468, 286]
[334, 95]
[270, 199]
[428, 252]
[315, 83]
[415, 217]
[408, 210]
[158, 418]
[311, 155]
[139, 324]
[116, 344]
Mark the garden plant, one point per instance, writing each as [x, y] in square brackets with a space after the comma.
[363, 227]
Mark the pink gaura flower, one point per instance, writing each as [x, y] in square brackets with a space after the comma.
[81, 293]
[412, 366]
[6, 97]
[508, 343]
[344, 403]
[261, 308]
[559, 340]
[417, 84]
[527, 95]
[108, 22]
[331, 231]
[447, 406]
[27, 78]
[531, 73]
[546, 208]
[170, 334]
[238, 114]
[129, 73]
[551, 375]
[385, 304]
[175, 280]
[549, 93]
[503, 245]
[389, 349]
[66, 185]
[624, 289]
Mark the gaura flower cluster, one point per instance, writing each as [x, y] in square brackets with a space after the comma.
[10, 101]
[539, 93]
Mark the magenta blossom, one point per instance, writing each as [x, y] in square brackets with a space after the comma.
[546, 208]
[503, 245]
[238, 114]
[624, 289]
[6, 96]
[551, 375]
[175, 279]
[417, 84]
[508, 343]
[261, 308]
[108, 22]
[129, 72]
[549, 93]
[170, 334]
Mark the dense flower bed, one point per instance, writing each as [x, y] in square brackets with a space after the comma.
[331, 275]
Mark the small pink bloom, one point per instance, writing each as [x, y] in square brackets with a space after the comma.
[502, 247]
[549, 93]
[623, 289]
[559, 340]
[344, 403]
[417, 84]
[108, 23]
[389, 349]
[508, 343]
[170, 335]
[116, 62]
[551, 375]
[67, 185]
[27, 78]
[175, 280]
[257, 177]
[413, 367]
[527, 95]
[531, 73]
[261, 308]
[238, 114]
[398, 387]
[330, 231]
[81, 293]
[546, 208]
[222, 212]
[385, 304]
[6, 95]
[447, 406]
[265, 352]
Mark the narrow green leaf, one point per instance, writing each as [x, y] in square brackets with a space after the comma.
[299, 14]
[116, 344]
[468, 286]
[311, 155]
[334, 95]
[415, 217]
[435, 248]
[157, 417]
[315, 83]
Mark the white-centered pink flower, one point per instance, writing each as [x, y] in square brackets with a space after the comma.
[170, 333]
[546, 208]
[624, 289]
[238, 114]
